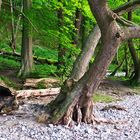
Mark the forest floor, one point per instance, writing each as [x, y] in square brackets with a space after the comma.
[116, 106]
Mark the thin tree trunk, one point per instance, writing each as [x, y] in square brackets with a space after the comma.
[78, 22]
[0, 4]
[61, 49]
[114, 72]
[136, 61]
[13, 41]
[126, 62]
[26, 50]
[136, 78]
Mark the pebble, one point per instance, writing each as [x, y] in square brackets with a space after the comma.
[26, 128]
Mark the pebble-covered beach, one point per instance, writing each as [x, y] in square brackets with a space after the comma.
[124, 124]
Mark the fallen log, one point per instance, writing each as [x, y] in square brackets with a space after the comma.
[47, 82]
[37, 59]
[37, 93]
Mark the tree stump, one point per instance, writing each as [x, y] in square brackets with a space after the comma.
[7, 101]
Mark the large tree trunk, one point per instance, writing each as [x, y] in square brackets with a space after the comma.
[26, 50]
[75, 99]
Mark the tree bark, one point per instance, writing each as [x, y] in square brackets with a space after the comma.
[78, 22]
[136, 78]
[82, 61]
[26, 50]
[61, 49]
[13, 39]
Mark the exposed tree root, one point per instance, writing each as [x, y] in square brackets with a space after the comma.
[117, 107]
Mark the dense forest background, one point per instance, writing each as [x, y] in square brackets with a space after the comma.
[52, 34]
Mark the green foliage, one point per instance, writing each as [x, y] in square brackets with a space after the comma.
[103, 98]
[44, 71]
[42, 52]
[41, 85]
[8, 82]
[6, 64]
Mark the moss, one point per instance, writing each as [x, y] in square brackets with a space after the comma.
[103, 98]
[41, 85]
[8, 82]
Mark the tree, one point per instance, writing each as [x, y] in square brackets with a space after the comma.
[78, 25]
[26, 50]
[0, 4]
[75, 99]
[136, 77]
[61, 49]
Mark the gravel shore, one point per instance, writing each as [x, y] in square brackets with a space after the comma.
[125, 126]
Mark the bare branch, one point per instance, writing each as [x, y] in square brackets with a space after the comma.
[127, 7]
[125, 22]
[131, 32]
[23, 14]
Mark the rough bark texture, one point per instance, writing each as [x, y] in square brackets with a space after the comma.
[26, 50]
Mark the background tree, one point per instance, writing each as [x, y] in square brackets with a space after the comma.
[26, 50]
[136, 77]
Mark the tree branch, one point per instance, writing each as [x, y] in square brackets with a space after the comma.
[23, 14]
[131, 32]
[125, 22]
[127, 7]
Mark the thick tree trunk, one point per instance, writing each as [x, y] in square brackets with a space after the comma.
[26, 50]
